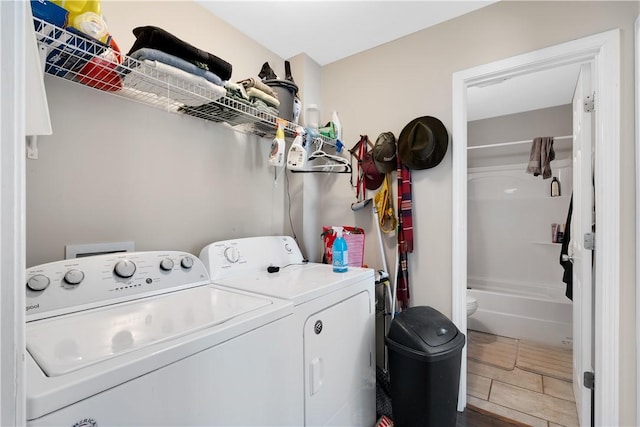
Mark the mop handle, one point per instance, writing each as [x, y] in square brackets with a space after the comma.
[384, 258]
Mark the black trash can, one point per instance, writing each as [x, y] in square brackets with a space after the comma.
[425, 350]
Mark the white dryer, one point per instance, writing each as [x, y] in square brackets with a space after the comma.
[145, 339]
[333, 341]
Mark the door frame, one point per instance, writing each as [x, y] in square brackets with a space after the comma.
[12, 212]
[637, 120]
[603, 50]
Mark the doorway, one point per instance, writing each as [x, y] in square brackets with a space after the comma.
[602, 50]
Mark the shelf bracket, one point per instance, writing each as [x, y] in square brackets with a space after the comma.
[32, 147]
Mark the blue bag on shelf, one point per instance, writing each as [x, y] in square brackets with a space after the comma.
[50, 12]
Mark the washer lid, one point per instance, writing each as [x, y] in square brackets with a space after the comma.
[65, 344]
[298, 283]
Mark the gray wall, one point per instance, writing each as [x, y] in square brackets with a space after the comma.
[115, 170]
[386, 87]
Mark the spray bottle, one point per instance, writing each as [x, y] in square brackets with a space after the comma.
[336, 124]
[276, 156]
[340, 252]
[297, 158]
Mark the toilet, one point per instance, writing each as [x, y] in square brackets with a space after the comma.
[472, 305]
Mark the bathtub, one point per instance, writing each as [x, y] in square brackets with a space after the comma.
[543, 317]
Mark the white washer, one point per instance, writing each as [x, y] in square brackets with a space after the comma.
[334, 314]
[145, 339]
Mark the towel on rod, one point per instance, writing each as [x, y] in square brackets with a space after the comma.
[540, 157]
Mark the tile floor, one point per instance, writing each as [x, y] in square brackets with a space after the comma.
[528, 389]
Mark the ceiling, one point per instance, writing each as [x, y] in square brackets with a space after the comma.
[329, 30]
[533, 91]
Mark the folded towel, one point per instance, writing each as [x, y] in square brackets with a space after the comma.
[157, 38]
[540, 157]
[251, 82]
[200, 91]
[263, 107]
[174, 61]
[236, 91]
[257, 93]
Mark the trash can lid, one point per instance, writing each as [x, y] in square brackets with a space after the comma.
[424, 330]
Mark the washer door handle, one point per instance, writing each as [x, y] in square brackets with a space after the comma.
[317, 375]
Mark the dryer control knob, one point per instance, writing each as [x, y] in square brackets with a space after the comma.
[39, 282]
[166, 264]
[74, 277]
[124, 268]
[232, 254]
[186, 262]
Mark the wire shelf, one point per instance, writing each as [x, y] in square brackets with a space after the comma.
[73, 56]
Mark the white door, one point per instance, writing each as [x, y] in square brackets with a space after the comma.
[339, 365]
[581, 223]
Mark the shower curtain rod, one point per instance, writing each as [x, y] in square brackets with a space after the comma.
[503, 144]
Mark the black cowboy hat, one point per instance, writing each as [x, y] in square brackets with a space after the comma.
[423, 143]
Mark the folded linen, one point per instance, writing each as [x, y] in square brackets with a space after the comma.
[257, 93]
[174, 61]
[251, 82]
[236, 91]
[200, 91]
[157, 38]
[263, 107]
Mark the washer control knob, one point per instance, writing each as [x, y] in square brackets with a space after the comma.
[166, 264]
[124, 268]
[287, 247]
[39, 282]
[232, 254]
[74, 277]
[186, 262]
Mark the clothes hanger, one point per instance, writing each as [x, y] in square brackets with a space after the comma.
[332, 162]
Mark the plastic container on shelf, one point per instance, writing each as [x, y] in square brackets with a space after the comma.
[276, 156]
[78, 7]
[91, 24]
[286, 92]
[86, 17]
[312, 117]
[297, 157]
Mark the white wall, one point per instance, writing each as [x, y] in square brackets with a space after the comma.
[386, 87]
[510, 212]
[509, 230]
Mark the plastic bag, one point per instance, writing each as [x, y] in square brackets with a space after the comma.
[354, 237]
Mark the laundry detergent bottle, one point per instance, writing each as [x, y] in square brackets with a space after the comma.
[340, 252]
[297, 157]
[276, 156]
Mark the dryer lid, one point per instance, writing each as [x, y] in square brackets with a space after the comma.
[297, 283]
[67, 343]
